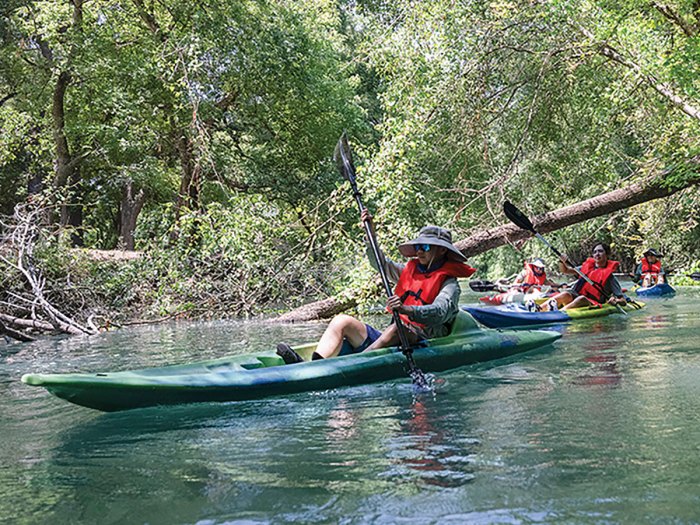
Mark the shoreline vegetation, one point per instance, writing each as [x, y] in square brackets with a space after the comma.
[50, 287]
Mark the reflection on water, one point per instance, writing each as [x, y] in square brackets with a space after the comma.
[602, 428]
[599, 351]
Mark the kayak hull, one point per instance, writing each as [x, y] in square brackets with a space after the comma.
[658, 290]
[255, 376]
[512, 316]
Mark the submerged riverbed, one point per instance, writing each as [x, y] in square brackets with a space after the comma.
[601, 427]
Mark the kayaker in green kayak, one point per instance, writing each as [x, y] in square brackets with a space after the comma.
[649, 271]
[426, 297]
[599, 269]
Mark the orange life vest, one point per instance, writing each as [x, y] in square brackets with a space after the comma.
[597, 275]
[531, 278]
[647, 267]
[419, 289]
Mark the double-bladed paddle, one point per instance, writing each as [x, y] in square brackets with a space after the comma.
[479, 285]
[483, 286]
[521, 221]
[343, 158]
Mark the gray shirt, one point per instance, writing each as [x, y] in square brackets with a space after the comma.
[437, 316]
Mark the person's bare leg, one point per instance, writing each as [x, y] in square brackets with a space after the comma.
[390, 337]
[579, 302]
[341, 326]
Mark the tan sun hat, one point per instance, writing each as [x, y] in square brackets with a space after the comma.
[435, 236]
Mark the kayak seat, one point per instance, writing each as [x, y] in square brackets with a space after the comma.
[463, 323]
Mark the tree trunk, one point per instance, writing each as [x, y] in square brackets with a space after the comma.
[67, 173]
[128, 214]
[190, 181]
[581, 211]
[492, 238]
[64, 163]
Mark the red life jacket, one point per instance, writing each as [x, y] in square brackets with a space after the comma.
[597, 275]
[647, 267]
[531, 278]
[418, 289]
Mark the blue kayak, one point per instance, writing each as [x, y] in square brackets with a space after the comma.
[514, 315]
[658, 290]
[509, 315]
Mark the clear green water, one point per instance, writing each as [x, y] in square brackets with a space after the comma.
[603, 427]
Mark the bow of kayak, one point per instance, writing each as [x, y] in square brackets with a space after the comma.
[512, 315]
[253, 376]
[658, 290]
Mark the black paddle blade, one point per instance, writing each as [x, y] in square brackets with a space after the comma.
[343, 159]
[517, 217]
[482, 286]
[695, 276]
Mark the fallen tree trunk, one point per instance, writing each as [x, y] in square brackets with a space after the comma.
[14, 334]
[39, 325]
[318, 310]
[486, 240]
[581, 211]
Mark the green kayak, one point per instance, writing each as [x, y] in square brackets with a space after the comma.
[254, 376]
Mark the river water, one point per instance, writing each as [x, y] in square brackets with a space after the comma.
[601, 427]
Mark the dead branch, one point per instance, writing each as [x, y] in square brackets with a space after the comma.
[14, 334]
[20, 239]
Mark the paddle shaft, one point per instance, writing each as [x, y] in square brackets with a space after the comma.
[378, 256]
[348, 172]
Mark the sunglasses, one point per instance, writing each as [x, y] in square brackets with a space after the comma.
[598, 251]
[421, 247]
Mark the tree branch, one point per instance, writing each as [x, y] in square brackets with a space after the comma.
[674, 17]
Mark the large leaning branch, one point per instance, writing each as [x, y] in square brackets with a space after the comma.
[581, 211]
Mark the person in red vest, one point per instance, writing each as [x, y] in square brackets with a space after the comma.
[600, 270]
[533, 277]
[426, 297]
[649, 270]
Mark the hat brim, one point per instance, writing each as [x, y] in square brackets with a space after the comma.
[653, 253]
[407, 249]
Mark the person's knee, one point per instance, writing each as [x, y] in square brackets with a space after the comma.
[342, 321]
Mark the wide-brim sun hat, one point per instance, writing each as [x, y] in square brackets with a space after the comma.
[435, 236]
[653, 252]
[538, 262]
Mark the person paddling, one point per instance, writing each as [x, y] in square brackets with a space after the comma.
[533, 277]
[649, 271]
[599, 269]
[426, 297]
